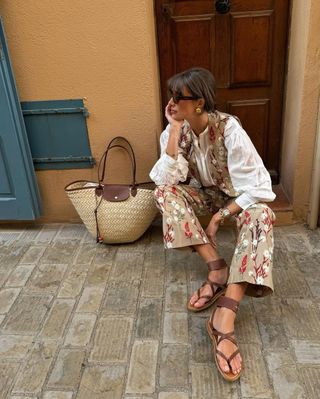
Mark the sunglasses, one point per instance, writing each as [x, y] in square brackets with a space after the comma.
[177, 97]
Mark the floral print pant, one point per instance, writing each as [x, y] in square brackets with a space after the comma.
[253, 256]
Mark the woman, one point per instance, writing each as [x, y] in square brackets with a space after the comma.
[208, 164]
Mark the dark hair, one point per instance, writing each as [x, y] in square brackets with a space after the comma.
[199, 81]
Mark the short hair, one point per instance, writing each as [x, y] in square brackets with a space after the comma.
[199, 81]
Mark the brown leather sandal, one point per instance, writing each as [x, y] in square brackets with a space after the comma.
[217, 289]
[217, 336]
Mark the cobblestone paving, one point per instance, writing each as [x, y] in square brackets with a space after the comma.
[89, 321]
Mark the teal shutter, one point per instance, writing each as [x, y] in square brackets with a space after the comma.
[57, 134]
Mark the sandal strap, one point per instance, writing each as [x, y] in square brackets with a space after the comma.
[202, 296]
[213, 284]
[233, 354]
[214, 291]
[227, 359]
[222, 355]
[216, 264]
[229, 335]
[229, 303]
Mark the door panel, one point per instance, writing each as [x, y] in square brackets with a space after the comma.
[245, 49]
[186, 47]
[255, 31]
[257, 126]
[19, 196]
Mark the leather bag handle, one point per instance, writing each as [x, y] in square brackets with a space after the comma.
[101, 175]
[103, 160]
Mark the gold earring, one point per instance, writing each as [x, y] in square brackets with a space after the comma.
[198, 110]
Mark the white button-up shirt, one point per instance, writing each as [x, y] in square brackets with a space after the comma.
[248, 174]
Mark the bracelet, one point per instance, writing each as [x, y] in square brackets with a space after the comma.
[224, 213]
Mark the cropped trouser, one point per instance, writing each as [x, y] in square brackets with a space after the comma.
[253, 256]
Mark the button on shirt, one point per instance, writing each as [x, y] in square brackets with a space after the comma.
[248, 174]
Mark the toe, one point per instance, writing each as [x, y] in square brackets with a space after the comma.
[199, 303]
[236, 364]
[193, 299]
[223, 365]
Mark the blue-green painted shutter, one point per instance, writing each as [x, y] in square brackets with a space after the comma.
[57, 134]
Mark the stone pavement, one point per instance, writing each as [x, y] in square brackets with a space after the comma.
[83, 320]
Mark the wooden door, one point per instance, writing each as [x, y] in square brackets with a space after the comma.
[245, 49]
[19, 194]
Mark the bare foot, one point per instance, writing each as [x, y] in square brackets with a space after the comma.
[217, 276]
[223, 321]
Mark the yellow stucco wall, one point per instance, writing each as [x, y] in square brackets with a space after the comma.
[296, 63]
[301, 106]
[104, 51]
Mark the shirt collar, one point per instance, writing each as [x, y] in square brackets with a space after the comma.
[203, 133]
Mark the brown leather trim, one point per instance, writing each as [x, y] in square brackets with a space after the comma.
[113, 192]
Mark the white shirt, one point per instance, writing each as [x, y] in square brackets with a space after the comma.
[248, 174]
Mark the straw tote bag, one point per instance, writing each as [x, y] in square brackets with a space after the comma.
[114, 213]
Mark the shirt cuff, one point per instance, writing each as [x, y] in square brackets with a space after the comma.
[245, 200]
[171, 161]
[167, 159]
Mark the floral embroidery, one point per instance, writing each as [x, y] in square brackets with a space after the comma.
[186, 138]
[253, 255]
[243, 266]
[178, 211]
[168, 237]
[261, 271]
[174, 190]
[217, 152]
[241, 246]
[248, 217]
[267, 221]
[212, 134]
[254, 249]
[187, 231]
[160, 198]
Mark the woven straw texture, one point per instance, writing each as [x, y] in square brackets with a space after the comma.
[119, 222]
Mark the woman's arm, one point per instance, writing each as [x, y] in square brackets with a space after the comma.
[247, 172]
[171, 168]
[174, 134]
[218, 218]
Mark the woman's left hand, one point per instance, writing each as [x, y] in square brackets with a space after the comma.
[212, 229]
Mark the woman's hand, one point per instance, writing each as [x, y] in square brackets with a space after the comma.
[173, 122]
[175, 126]
[212, 229]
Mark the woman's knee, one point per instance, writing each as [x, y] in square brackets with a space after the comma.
[265, 213]
[157, 191]
[164, 190]
[258, 212]
[258, 209]
[162, 194]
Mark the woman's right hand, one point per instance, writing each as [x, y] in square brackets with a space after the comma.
[212, 229]
[172, 121]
